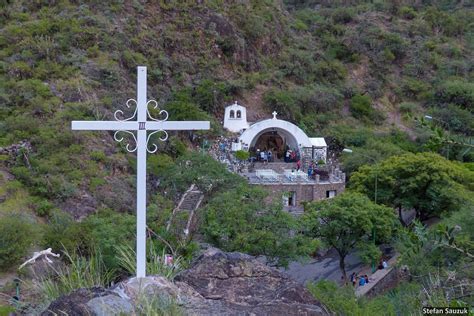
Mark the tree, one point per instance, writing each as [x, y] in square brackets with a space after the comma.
[239, 220]
[424, 182]
[346, 223]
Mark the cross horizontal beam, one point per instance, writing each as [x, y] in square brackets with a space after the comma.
[134, 125]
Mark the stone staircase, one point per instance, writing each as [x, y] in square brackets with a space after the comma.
[182, 220]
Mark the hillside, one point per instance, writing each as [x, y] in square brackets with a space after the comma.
[356, 72]
[69, 61]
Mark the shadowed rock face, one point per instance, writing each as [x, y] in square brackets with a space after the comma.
[218, 283]
[245, 286]
[74, 303]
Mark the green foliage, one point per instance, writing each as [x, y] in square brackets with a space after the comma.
[407, 12]
[242, 155]
[209, 175]
[416, 89]
[373, 150]
[160, 305]
[79, 272]
[346, 221]
[425, 182]
[159, 163]
[282, 102]
[457, 92]
[156, 265]
[458, 120]
[211, 95]
[17, 236]
[43, 207]
[101, 232]
[239, 220]
[343, 301]
[407, 107]
[361, 107]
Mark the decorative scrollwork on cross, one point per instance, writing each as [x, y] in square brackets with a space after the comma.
[155, 106]
[121, 138]
[154, 146]
[120, 112]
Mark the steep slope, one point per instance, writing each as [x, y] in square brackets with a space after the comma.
[335, 69]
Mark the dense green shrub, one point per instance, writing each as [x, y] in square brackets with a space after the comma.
[17, 235]
[416, 89]
[457, 119]
[457, 92]
[283, 102]
[407, 107]
[344, 302]
[343, 15]
[361, 106]
[97, 233]
[242, 155]
[330, 71]
[407, 12]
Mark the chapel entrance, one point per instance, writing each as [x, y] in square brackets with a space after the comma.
[271, 141]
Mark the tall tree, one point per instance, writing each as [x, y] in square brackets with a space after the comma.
[346, 222]
[240, 220]
[424, 182]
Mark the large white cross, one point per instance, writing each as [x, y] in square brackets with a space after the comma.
[141, 125]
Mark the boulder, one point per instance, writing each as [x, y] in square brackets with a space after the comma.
[75, 303]
[110, 305]
[217, 283]
[243, 286]
[152, 286]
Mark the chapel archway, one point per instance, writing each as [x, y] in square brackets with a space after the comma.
[277, 141]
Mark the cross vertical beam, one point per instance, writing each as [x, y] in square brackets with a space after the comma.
[141, 172]
[126, 126]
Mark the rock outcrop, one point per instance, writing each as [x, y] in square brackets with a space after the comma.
[218, 283]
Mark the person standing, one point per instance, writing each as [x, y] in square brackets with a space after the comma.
[353, 278]
[298, 165]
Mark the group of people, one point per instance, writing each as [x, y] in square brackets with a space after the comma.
[364, 279]
[264, 156]
[361, 280]
[291, 156]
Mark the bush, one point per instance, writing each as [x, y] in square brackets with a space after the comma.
[407, 12]
[414, 88]
[407, 107]
[343, 15]
[283, 102]
[242, 155]
[79, 272]
[361, 106]
[457, 92]
[342, 301]
[156, 264]
[101, 232]
[16, 237]
[43, 207]
[459, 120]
